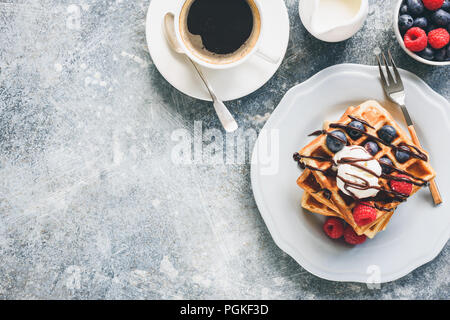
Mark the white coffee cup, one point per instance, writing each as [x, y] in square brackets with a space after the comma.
[254, 47]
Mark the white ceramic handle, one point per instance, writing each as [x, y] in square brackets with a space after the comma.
[267, 57]
[263, 54]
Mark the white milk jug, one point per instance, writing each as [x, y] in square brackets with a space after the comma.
[333, 20]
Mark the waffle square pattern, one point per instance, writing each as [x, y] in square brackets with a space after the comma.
[330, 194]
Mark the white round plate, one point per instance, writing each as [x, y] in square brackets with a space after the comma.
[417, 231]
[229, 84]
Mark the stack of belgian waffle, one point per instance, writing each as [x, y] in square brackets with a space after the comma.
[360, 168]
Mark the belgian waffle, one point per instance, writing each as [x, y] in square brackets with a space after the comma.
[313, 205]
[315, 201]
[316, 181]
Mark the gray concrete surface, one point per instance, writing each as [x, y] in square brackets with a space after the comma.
[91, 205]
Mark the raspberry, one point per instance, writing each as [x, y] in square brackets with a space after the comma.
[364, 214]
[433, 4]
[415, 39]
[402, 187]
[334, 228]
[351, 237]
[438, 38]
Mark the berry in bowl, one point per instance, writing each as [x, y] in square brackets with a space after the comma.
[422, 28]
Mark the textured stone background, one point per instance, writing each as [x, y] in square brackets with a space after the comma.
[91, 205]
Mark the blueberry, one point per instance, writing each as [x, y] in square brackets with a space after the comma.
[404, 9]
[415, 7]
[387, 133]
[401, 155]
[448, 28]
[421, 22]
[385, 162]
[355, 134]
[441, 17]
[336, 140]
[371, 147]
[428, 53]
[446, 5]
[440, 54]
[405, 22]
[448, 54]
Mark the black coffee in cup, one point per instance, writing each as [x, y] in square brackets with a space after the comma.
[220, 31]
[223, 25]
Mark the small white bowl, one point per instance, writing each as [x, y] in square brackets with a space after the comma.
[402, 44]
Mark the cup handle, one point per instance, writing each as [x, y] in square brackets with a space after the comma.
[261, 53]
[267, 57]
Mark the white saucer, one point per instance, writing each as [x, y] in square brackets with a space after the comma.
[417, 231]
[229, 84]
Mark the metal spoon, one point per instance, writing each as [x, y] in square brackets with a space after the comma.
[224, 115]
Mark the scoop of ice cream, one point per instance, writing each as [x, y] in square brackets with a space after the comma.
[357, 172]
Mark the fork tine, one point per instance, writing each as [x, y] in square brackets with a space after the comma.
[383, 79]
[389, 74]
[398, 79]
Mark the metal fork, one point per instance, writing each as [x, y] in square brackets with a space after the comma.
[396, 93]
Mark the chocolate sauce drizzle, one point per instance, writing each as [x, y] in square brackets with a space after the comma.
[328, 172]
[402, 147]
[385, 196]
[364, 122]
[423, 183]
[354, 162]
[388, 195]
[298, 157]
[376, 206]
[365, 185]
[332, 134]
